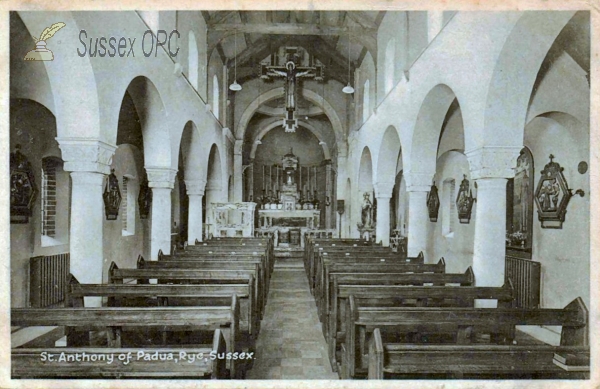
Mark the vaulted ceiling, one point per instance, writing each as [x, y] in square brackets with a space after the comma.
[324, 34]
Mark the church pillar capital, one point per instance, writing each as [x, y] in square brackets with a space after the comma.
[384, 189]
[493, 161]
[86, 155]
[237, 147]
[418, 182]
[160, 177]
[195, 187]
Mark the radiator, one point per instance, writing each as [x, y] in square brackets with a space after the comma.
[48, 277]
[525, 276]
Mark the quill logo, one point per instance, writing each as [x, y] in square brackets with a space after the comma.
[41, 53]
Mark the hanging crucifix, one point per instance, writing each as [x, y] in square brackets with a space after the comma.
[291, 72]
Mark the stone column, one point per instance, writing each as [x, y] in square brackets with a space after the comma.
[328, 193]
[417, 186]
[490, 168]
[383, 191]
[341, 183]
[161, 180]
[238, 179]
[195, 192]
[250, 183]
[88, 162]
[213, 195]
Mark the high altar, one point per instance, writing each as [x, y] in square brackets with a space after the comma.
[287, 211]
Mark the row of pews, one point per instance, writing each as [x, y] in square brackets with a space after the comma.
[193, 314]
[385, 315]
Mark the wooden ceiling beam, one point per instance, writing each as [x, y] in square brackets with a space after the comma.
[219, 17]
[292, 29]
[360, 18]
[244, 19]
[259, 50]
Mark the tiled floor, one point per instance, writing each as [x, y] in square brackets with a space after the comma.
[290, 344]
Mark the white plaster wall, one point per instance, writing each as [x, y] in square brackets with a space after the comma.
[456, 248]
[124, 249]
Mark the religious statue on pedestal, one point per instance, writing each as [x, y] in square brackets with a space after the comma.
[366, 227]
[366, 217]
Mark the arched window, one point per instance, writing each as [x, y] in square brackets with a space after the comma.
[390, 53]
[449, 214]
[519, 205]
[215, 100]
[366, 100]
[192, 60]
[54, 202]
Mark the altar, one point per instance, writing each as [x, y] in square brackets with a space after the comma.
[309, 218]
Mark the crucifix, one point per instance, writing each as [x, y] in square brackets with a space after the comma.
[291, 72]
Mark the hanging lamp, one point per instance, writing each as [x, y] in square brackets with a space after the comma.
[348, 88]
[235, 86]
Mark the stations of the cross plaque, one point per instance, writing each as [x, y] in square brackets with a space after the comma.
[291, 72]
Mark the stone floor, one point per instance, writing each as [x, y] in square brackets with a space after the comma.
[290, 344]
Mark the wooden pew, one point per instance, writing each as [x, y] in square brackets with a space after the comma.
[462, 323]
[196, 271]
[341, 262]
[118, 321]
[244, 242]
[194, 362]
[139, 295]
[346, 284]
[221, 251]
[480, 361]
[315, 257]
[264, 267]
[312, 244]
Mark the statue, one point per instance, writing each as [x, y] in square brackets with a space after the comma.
[366, 216]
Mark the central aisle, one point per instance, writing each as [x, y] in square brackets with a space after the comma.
[290, 344]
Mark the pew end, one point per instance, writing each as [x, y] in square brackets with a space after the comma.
[70, 300]
[160, 254]
[576, 333]
[219, 366]
[111, 271]
[376, 356]
[509, 287]
[471, 277]
[141, 262]
[442, 262]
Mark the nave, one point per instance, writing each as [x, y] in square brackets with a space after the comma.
[440, 159]
[374, 313]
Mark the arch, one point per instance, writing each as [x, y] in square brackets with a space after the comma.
[365, 171]
[276, 122]
[514, 76]
[427, 129]
[214, 170]
[215, 96]
[309, 95]
[387, 158]
[73, 119]
[193, 59]
[152, 113]
[390, 54]
[192, 153]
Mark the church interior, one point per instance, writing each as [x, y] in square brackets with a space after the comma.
[321, 194]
